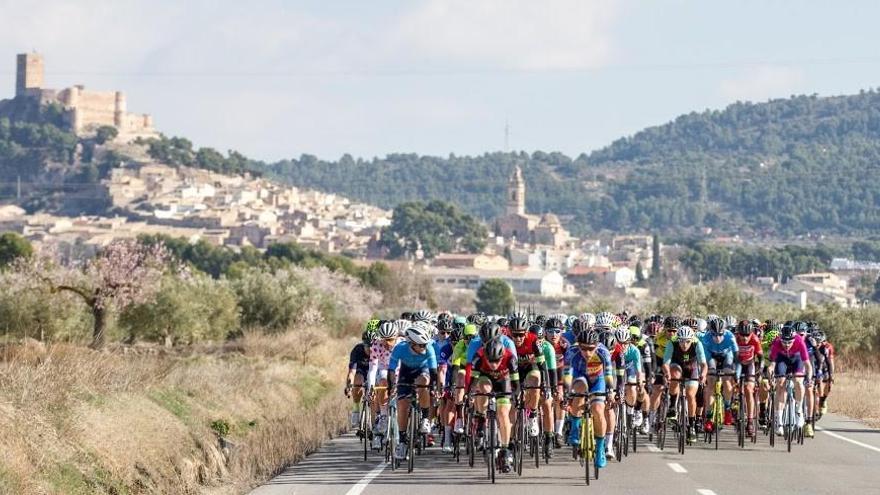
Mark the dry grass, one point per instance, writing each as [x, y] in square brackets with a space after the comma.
[79, 421]
[856, 389]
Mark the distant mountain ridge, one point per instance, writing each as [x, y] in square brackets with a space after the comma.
[783, 167]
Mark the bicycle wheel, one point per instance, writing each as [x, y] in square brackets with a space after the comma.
[586, 446]
[788, 421]
[682, 423]
[412, 432]
[391, 437]
[366, 427]
[535, 442]
[490, 457]
[591, 438]
[719, 418]
[470, 439]
[634, 437]
[520, 441]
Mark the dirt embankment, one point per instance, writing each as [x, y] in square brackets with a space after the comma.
[217, 420]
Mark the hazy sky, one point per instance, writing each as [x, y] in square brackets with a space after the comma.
[276, 79]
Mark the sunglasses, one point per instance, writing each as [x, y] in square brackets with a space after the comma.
[518, 335]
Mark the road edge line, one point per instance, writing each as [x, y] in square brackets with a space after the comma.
[847, 439]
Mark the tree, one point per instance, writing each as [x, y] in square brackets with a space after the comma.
[877, 290]
[125, 272]
[105, 133]
[434, 227]
[494, 297]
[13, 246]
[655, 257]
[640, 273]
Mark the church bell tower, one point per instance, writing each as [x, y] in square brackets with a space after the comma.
[516, 193]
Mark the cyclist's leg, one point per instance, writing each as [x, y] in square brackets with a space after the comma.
[533, 394]
[483, 386]
[709, 389]
[727, 381]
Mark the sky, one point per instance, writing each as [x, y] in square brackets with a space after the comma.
[276, 79]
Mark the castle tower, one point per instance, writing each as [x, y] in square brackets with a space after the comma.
[28, 72]
[516, 193]
[119, 110]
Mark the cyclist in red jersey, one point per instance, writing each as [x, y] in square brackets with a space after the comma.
[751, 356]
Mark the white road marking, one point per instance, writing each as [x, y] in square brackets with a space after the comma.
[705, 491]
[678, 468]
[362, 484]
[850, 440]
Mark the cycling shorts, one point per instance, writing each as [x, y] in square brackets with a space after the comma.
[747, 369]
[501, 386]
[597, 387]
[723, 358]
[406, 380]
[788, 364]
[690, 374]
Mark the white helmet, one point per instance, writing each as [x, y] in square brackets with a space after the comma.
[605, 320]
[423, 315]
[730, 321]
[685, 333]
[589, 319]
[701, 325]
[387, 330]
[401, 326]
[418, 334]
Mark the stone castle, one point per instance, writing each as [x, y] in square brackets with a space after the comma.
[84, 110]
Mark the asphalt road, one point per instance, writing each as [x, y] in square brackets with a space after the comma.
[844, 457]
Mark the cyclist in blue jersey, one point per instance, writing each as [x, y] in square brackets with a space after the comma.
[722, 352]
[413, 363]
[590, 371]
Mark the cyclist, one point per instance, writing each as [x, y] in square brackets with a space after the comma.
[590, 370]
[827, 350]
[358, 367]
[459, 363]
[494, 369]
[550, 378]
[380, 356]
[447, 337]
[633, 373]
[661, 342]
[788, 353]
[645, 344]
[721, 350]
[411, 369]
[553, 331]
[605, 324]
[751, 359]
[532, 368]
[685, 360]
[770, 333]
[488, 332]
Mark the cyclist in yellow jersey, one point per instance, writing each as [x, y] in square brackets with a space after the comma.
[459, 362]
[661, 340]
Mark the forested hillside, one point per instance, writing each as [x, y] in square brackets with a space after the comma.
[791, 166]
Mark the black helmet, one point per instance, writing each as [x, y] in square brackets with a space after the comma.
[717, 326]
[540, 320]
[494, 350]
[745, 327]
[691, 322]
[671, 322]
[406, 315]
[518, 325]
[538, 330]
[456, 333]
[579, 326]
[489, 331]
[607, 339]
[801, 328]
[787, 333]
[554, 323]
[502, 321]
[590, 337]
[444, 325]
[655, 319]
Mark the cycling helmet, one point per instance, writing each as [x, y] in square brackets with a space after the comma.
[633, 318]
[540, 320]
[635, 332]
[518, 315]
[801, 328]
[459, 320]
[579, 326]
[444, 325]
[770, 335]
[423, 315]
[671, 322]
[489, 331]
[605, 320]
[634, 322]
[787, 333]
[504, 322]
[730, 320]
[368, 337]
[456, 333]
[570, 321]
[590, 337]
[622, 334]
[691, 322]
[518, 325]
[538, 330]
[652, 329]
[702, 325]
[716, 326]
[406, 315]
[685, 334]
[820, 337]
[616, 321]
[554, 323]
[745, 328]
[387, 330]
[469, 330]
[711, 316]
[588, 318]
[418, 334]
[372, 325]
[494, 350]
[655, 319]
[607, 339]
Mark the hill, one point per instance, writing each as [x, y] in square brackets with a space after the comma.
[784, 167]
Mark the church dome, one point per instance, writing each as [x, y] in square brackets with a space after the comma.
[549, 219]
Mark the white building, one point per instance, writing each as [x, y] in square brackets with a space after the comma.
[545, 283]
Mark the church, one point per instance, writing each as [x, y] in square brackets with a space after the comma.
[518, 227]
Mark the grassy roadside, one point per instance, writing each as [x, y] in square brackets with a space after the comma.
[856, 391]
[212, 420]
